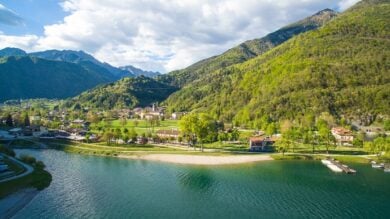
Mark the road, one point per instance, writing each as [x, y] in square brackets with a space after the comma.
[29, 169]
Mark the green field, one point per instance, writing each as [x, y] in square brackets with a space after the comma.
[38, 179]
[140, 126]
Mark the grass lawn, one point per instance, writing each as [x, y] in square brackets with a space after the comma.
[38, 179]
[344, 158]
[321, 149]
[140, 126]
[227, 146]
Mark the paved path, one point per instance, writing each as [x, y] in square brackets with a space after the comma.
[29, 169]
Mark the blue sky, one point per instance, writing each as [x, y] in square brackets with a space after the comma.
[159, 35]
[35, 14]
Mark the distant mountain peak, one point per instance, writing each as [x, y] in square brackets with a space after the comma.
[10, 51]
[138, 72]
[317, 19]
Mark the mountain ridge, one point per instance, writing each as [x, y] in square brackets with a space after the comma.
[341, 68]
[248, 49]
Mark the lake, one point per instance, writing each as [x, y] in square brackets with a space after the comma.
[100, 187]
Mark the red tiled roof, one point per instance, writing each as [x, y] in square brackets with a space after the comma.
[262, 138]
[341, 131]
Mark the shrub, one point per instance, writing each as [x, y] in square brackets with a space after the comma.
[7, 151]
[28, 159]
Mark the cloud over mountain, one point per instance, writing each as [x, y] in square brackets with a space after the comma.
[165, 35]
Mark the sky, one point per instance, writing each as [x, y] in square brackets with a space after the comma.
[157, 35]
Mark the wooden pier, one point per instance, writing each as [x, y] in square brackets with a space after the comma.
[336, 166]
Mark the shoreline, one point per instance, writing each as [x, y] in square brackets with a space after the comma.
[13, 203]
[200, 159]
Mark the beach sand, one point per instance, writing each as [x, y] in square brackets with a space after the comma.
[200, 159]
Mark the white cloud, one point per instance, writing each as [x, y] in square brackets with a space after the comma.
[9, 17]
[23, 42]
[345, 4]
[166, 34]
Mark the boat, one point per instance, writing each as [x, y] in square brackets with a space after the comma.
[387, 168]
[334, 168]
[376, 165]
[325, 162]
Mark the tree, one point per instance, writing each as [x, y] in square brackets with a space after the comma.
[198, 127]
[180, 139]
[126, 138]
[108, 136]
[26, 119]
[325, 136]
[235, 135]
[136, 123]
[187, 126]
[282, 145]
[271, 129]
[9, 122]
[87, 137]
[123, 121]
[133, 135]
[117, 134]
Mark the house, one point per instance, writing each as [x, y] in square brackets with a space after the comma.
[150, 112]
[78, 122]
[35, 119]
[150, 116]
[168, 133]
[35, 131]
[177, 115]
[81, 123]
[343, 136]
[261, 144]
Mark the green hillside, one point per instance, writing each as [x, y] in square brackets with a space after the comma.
[28, 77]
[127, 92]
[246, 50]
[342, 68]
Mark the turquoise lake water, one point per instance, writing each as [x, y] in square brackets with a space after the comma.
[98, 187]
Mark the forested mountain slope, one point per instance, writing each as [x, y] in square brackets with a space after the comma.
[246, 50]
[125, 93]
[29, 77]
[342, 68]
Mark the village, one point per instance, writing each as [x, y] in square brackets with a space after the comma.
[153, 125]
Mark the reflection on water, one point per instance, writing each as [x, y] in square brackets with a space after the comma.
[98, 187]
[198, 179]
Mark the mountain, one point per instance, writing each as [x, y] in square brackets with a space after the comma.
[125, 93]
[138, 72]
[31, 77]
[12, 52]
[84, 59]
[247, 50]
[341, 68]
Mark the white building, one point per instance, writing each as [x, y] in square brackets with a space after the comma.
[343, 136]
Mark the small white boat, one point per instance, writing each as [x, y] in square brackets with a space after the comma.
[334, 168]
[378, 166]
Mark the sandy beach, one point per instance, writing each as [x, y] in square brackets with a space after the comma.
[200, 159]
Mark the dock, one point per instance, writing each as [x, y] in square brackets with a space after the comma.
[336, 166]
